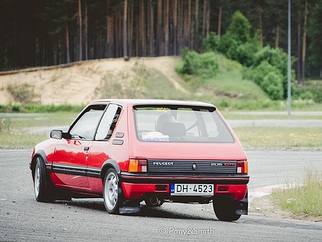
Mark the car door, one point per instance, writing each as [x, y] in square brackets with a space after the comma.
[71, 154]
[100, 149]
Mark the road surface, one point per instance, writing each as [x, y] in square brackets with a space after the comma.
[24, 219]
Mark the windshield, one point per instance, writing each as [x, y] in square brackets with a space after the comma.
[180, 124]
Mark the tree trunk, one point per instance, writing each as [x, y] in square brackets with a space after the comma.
[142, 29]
[166, 27]
[260, 19]
[131, 29]
[181, 26]
[298, 62]
[86, 31]
[80, 24]
[304, 41]
[208, 19]
[188, 32]
[277, 33]
[219, 21]
[67, 43]
[151, 32]
[175, 26]
[137, 35]
[159, 29]
[125, 55]
[204, 16]
[110, 35]
[195, 32]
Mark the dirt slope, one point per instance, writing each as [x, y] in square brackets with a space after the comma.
[80, 83]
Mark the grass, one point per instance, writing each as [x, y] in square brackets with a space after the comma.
[18, 135]
[280, 137]
[140, 82]
[40, 119]
[302, 199]
[37, 108]
[20, 141]
[227, 89]
[268, 115]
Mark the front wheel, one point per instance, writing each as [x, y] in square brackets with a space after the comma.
[112, 192]
[41, 183]
[225, 209]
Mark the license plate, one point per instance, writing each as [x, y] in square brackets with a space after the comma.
[192, 189]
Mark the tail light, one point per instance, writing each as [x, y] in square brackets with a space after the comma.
[242, 167]
[138, 165]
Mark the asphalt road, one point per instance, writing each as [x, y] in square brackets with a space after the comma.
[24, 219]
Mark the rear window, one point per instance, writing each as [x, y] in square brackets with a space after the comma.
[180, 124]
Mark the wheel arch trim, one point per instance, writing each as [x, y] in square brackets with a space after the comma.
[110, 164]
[42, 155]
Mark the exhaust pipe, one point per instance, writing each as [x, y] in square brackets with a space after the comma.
[153, 201]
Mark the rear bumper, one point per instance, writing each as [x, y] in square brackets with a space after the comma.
[137, 186]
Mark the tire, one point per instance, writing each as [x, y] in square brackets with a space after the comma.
[42, 189]
[112, 193]
[225, 209]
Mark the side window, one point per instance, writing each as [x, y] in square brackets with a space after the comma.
[108, 122]
[87, 124]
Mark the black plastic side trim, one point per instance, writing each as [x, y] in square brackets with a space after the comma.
[76, 170]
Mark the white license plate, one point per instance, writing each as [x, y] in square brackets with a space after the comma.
[192, 189]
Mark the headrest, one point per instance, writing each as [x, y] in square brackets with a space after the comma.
[174, 129]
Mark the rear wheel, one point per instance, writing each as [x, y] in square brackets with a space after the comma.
[225, 209]
[41, 184]
[112, 192]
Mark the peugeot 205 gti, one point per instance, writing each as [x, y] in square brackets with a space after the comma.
[129, 151]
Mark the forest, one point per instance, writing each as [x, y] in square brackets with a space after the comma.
[50, 32]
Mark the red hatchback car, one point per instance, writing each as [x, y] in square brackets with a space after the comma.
[129, 151]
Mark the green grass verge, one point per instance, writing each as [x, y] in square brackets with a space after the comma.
[20, 131]
[302, 199]
[279, 137]
[20, 141]
[267, 115]
[20, 134]
[37, 108]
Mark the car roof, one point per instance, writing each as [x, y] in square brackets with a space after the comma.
[135, 102]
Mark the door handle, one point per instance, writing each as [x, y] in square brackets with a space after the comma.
[86, 148]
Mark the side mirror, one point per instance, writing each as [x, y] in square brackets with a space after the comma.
[56, 134]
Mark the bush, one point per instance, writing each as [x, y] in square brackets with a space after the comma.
[239, 28]
[22, 93]
[275, 57]
[269, 78]
[228, 46]
[211, 43]
[278, 59]
[205, 65]
[308, 93]
[245, 53]
[237, 43]
[272, 85]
